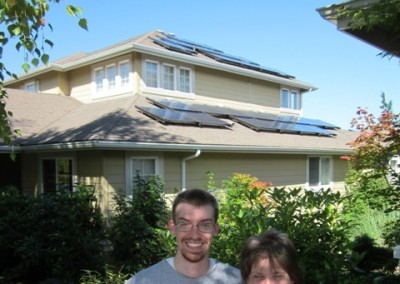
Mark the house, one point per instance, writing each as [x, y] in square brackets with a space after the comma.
[384, 37]
[167, 106]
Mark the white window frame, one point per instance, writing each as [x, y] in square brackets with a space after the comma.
[130, 176]
[180, 80]
[158, 88]
[121, 85]
[57, 157]
[110, 83]
[293, 100]
[320, 173]
[32, 86]
[164, 82]
[157, 74]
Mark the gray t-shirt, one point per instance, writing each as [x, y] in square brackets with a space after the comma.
[163, 272]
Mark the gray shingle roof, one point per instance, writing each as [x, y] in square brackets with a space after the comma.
[46, 119]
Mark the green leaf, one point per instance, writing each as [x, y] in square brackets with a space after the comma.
[49, 42]
[35, 62]
[83, 24]
[26, 67]
[45, 58]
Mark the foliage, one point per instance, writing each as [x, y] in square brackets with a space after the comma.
[138, 232]
[111, 277]
[25, 23]
[311, 219]
[384, 15]
[52, 236]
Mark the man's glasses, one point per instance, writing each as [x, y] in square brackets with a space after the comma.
[202, 227]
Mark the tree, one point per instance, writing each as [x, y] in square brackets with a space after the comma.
[377, 143]
[24, 23]
[385, 15]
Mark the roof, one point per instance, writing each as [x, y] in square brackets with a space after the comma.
[118, 124]
[147, 44]
[382, 37]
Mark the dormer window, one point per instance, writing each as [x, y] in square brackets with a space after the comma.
[290, 99]
[112, 79]
[31, 86]
[167, 77]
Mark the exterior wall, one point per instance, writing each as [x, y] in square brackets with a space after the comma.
[340, 169]
[222, 85]
[80, 82]
[106, 170]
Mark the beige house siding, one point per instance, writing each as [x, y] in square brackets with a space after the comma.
[80, 82]
[340, 170]
[222, 85]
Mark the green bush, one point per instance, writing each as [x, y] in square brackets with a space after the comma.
[311, 219]
[52, 236]
[138, 233]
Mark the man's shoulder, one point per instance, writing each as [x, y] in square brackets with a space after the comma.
[148, 273]
[226, 272]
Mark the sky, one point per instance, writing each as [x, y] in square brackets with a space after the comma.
[286, 35]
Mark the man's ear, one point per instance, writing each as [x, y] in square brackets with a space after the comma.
[216, 229]
[171, 226]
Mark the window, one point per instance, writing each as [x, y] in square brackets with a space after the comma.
[31, 87]
[151, 74]
[144, 166]
[112, 79]
[290, 99]
[319, 172]
[57, 175]
[184, 80]
[98, 79]
[167, 77]
[111, 76]
[124, 70]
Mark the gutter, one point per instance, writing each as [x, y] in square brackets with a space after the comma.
[110, 145]
[184, 167]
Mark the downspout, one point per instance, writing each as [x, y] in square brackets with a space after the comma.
[184, 167]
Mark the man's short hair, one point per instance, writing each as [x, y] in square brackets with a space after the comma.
[196, 197]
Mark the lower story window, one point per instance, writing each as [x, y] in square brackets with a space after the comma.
[57, 175]
[319, 172]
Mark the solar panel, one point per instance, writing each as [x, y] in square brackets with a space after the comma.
[182, 117]
[164, 42]
[279, 126]
[189, 47]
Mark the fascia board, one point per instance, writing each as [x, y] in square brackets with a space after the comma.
[109, 145]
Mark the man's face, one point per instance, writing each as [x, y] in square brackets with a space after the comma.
[193, 245]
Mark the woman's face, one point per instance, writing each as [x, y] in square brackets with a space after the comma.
[263, 273]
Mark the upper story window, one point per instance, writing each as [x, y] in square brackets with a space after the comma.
[319, 172]
[31, 86]
[112, 79]
[168, 77]
[290, 99]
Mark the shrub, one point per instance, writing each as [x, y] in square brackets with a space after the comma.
[53, 236]
[138, 232]
[311, 219]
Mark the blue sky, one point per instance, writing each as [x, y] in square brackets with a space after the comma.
[286, 35]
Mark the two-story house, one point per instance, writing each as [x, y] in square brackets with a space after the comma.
[161, 105]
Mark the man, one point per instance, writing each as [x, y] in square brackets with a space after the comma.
[194, 224]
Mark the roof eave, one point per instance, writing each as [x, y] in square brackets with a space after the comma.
[166, 54]
[111, 145]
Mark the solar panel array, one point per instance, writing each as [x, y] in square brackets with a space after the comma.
[174, 43]
[179, 112]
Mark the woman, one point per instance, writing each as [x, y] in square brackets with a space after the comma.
[270, 258]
